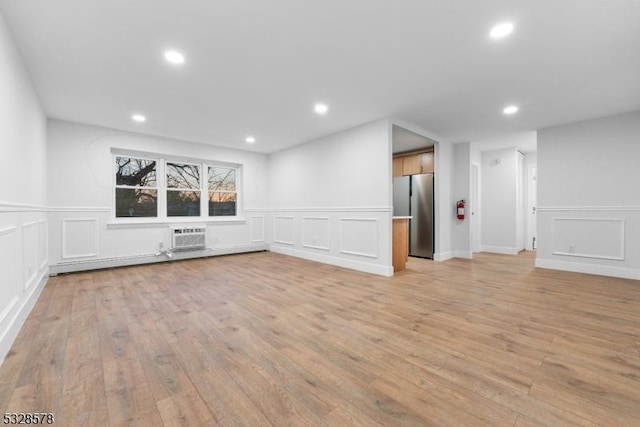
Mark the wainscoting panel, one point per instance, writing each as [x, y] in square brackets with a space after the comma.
[283, 230]
[23, 268]
[359, 236]
[603, 240]
[10, 290]
[600, 238]
[257, 229]
[43, 241]
[79, 237]
[30, 253]
[315, 232]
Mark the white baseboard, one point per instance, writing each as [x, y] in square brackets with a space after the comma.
[600, 270]
[463, 254]
[11, 332]
[96, 264]
[442, 256]
[380, 270]
[504, 250]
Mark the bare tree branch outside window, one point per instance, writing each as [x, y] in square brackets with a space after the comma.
[136, 187]
[183, 189]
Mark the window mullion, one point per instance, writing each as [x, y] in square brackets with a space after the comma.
[162, 189]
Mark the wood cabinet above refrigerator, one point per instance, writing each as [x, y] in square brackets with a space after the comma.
[413, 164]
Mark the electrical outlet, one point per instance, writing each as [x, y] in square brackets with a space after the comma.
[572, 248]
[160, 246]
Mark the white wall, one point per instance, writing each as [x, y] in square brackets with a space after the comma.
[588, 197]
[330, 199]
[461, 190]
[23, 226]
[80, 180]
[498, 205]
[344, 169]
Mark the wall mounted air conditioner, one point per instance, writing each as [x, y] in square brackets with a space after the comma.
[188, 238]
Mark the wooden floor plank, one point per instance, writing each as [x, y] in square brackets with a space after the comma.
[265, 339]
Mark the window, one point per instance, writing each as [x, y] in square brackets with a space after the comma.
[222, 191]
[183, 189]
[151, 186]
[136, 187]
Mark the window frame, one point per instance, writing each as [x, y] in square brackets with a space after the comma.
[208, 191]
[162, 189]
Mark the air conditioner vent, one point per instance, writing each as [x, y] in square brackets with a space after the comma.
[188, 238]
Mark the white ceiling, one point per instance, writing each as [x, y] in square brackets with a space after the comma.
[256, 67]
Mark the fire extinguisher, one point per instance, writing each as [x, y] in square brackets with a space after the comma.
[460, 209]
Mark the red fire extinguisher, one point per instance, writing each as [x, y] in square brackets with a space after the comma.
[460, 209]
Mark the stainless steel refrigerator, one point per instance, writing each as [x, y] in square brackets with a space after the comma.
[413, 196]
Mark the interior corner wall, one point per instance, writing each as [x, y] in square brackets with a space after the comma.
[80, 182]
[498, 204]
[461, 190]
[23, 222]
[330, 199]
[588, 199]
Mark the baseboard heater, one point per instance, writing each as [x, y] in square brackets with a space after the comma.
[188, 238]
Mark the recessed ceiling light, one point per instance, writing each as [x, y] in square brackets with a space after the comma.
[321, 108]
[138, 118]
[250, 139]
[174, 57]
[501, 30]
[511, 109]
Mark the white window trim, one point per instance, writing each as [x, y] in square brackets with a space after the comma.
[162, 219]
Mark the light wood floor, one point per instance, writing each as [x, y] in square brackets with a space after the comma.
[264, 339]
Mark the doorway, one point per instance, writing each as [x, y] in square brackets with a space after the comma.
[520, 204]
[532, 201]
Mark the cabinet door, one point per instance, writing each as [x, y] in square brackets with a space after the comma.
[426, 162]
[397, 166]
[411, 165]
